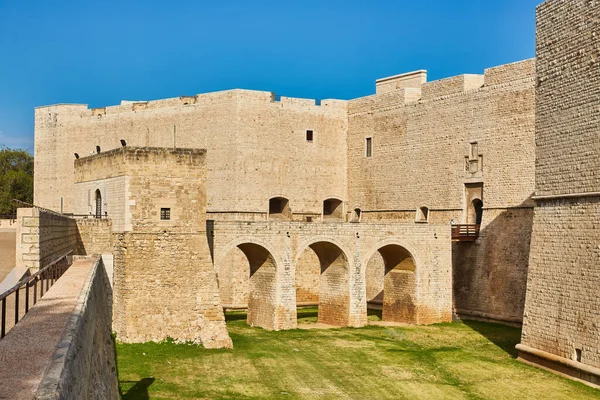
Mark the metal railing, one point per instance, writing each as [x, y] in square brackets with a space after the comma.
[86, 216]
[24, 204]
[465, 233]
[46, 276]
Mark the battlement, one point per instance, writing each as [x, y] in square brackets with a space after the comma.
[412, 87]
[402, 81]
[453, 85]
[199, 100]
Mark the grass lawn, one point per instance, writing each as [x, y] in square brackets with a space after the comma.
[473, 360]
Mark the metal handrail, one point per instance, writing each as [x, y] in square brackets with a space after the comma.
[49, 274]
[29, 205]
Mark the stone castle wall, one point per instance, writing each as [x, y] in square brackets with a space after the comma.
[253, 142]
[426, 138]
[560, 327]
[94, 236]
[420, 144]
[434, 144]
[43, 237]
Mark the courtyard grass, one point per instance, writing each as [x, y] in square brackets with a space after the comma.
[473, 360]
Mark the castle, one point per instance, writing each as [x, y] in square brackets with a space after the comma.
[474, 196]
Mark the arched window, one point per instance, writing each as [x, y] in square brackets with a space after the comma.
[356, 215]
[279, 209]
[333, 209]
[98, 204]
[423, 214]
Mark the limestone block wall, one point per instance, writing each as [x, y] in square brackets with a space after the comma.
[164, 281]
[253, 140]
[562, 313]
[469, 130]
[562, 310]
[113, 193]
[567, 115]
[84, 364]
[94, 236]
[420, 145]
[43, 237]
[490, 275]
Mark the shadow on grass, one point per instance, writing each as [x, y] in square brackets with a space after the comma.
[139, 391]
[504, 336]
[427, 351]
[311, 312]
[235, 316]
[371, 312]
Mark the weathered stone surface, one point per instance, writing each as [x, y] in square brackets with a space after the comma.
[562, 315]
[43, 237]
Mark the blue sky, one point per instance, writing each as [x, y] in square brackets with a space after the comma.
[99, 52]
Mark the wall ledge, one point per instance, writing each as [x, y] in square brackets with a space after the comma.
[562, 366]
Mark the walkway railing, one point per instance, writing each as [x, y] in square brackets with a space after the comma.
[46, 276]
[465, 233]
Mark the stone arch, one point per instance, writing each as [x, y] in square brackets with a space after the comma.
[333, 209]
[260, 270]
[279, 209]
[398, 294]
[356, 215]
[422, 214]
[333, 281]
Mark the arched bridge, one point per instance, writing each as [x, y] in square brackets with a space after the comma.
[277, 265]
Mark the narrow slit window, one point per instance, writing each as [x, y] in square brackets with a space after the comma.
[309, 135]
[165, 214]
[369, 147]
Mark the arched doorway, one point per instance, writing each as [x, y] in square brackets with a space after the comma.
[476, 212]
[398, 294]
[254, 268]
[98, 204]
[331, 287]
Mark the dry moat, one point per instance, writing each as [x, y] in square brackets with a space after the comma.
[471, 360]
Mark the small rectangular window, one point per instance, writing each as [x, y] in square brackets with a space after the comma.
[309, 135]
[165, 214]
[308, 219]
[369, 147]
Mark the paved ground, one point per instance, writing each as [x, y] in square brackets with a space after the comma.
[26, 351]
[8, 242]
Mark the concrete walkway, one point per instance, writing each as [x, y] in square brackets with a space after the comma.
[26, 351]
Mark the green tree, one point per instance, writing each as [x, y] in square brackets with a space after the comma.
[16, 178]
